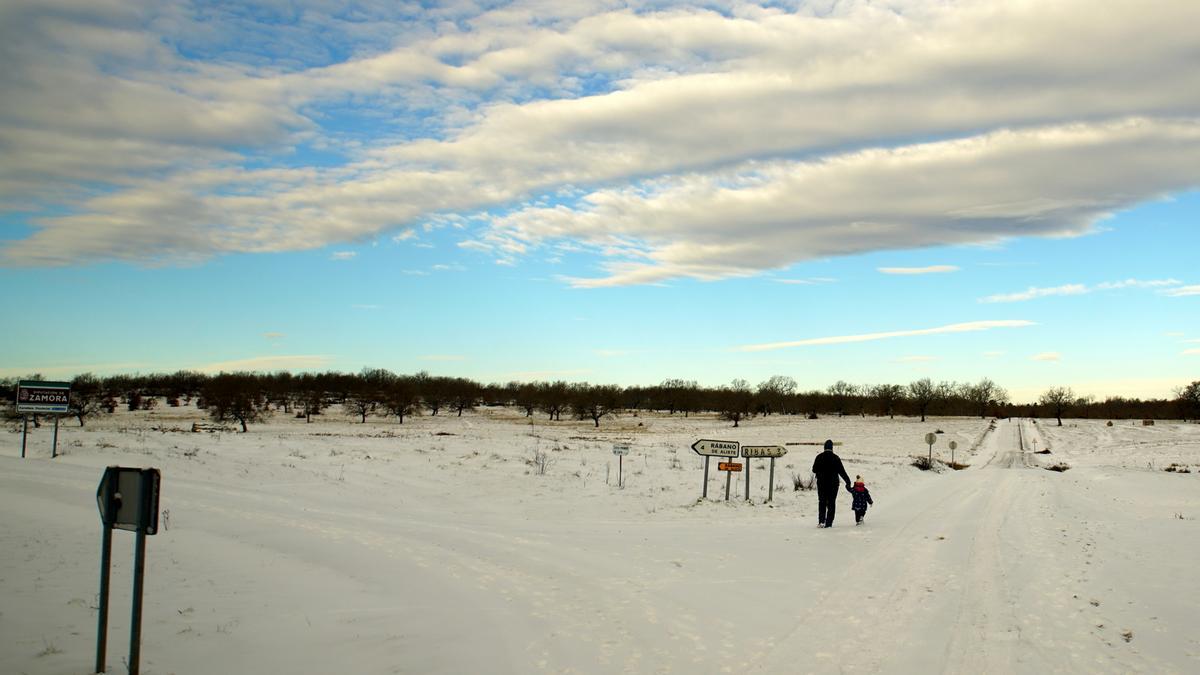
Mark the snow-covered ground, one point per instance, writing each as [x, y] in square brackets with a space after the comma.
[437, 547]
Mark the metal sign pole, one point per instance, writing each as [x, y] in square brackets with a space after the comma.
[621, 471]
[704, 495]
[728, 480]
[771, 487]
[139, 571]
[102, 630]
[24, 434]
[747, 479]
[54, 445]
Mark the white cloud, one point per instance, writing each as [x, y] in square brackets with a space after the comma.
[145, 153]
[1182, 291]
[806, 282]
[343, 255]
[1189, 352]
[274, 335]
[268, 363]
[972, 326]
[932, 269]
[1047, 356]
[405, 235]
[1077, 289]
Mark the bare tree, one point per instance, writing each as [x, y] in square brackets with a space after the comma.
[984, 394]
[595, 402]
[401, 398]
[1057, 399]
[774, 392]
[87, 396]
[1189, 400]
[924, 393]
[235, 396]
[553, 398]
[735, 402]
[842, 392]
[888, 395]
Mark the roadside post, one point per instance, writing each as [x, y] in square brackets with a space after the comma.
[953, 447]
[42, 397]
[620, 450]
[729, 468]
[128, 500]
[931, 438]
[771, 451]
[709, 448]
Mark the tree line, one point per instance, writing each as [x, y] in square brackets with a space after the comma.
[247, 397]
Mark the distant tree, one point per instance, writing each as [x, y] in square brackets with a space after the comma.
[554, 399]
[841, 392]
[1057, 399]
[595, 402]
[1189, 400]
[462, 394]
[735, 402]
[401, 398]
[87, 396]
[984, 394]
[524, 396]
[774, 392]
[367, 394]
[923, 393]
[887, 395]
[433, 391]
[235, 396]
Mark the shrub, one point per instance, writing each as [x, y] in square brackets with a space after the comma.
[800, 483]
[922, 463]
[1060, 467]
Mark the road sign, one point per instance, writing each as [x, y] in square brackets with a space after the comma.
[729, 466]
[763, 451]
[931, 438]
[43, 397]
[711, 448]
[620, 448]
[953, 445]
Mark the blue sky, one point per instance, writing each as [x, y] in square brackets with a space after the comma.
[609, 192]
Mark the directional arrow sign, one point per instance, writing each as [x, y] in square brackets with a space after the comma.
[763, 451]
[712, 448]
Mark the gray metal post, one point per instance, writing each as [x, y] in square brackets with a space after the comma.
[747, 479]
[728, 480]
[771, 487]
[931, 455]
[54, 445]
[24, 433]
[102, 630]
[139, 572]
[704, 495]
[620, 470]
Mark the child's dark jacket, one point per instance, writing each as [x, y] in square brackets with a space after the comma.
[862, 497]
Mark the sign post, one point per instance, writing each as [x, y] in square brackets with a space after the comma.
[128, 500]
[729, 468]
[953, 447]
[710, 448]
[931, 438]
[620, 450]
[771, 451]
[42, 397]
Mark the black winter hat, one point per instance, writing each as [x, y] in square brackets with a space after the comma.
[828, 445]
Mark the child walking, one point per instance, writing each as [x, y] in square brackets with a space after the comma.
[862, 497]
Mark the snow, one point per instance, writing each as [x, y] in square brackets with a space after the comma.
[436, 547]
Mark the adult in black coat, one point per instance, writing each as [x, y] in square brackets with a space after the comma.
[828, 468]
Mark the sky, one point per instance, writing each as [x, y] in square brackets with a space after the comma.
[609, 192]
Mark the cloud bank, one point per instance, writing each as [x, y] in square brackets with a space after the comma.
[668, 141]
[969, 327]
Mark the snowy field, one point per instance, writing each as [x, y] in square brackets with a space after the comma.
[437, 546]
